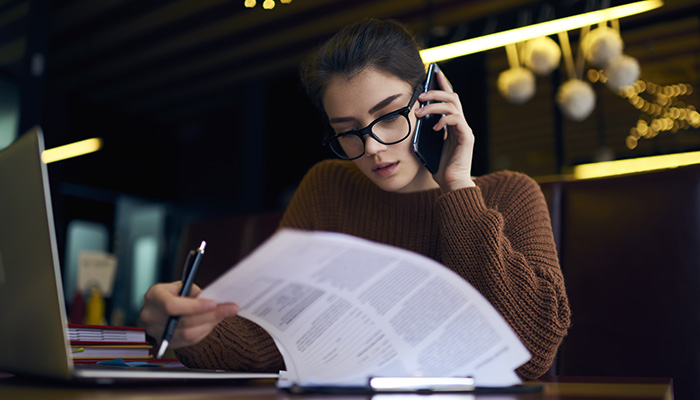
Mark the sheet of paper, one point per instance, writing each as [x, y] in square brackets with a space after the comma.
[342, 309]
[96, 269]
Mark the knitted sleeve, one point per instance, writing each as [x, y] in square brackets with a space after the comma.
[236, 344]
[506, 250]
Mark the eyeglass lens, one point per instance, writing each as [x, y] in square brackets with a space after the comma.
[389, 130]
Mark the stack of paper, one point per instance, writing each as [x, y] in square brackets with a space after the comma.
[93, 343]
[343, 309]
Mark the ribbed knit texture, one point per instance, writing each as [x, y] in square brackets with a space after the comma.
[497, 236]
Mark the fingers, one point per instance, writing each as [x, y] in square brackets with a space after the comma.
[455, 165]
[164, 297]
[195, 290]
[218, 313]
[446, 108]
[453, 120]
[197, 316]
[193, 328]
[451, 111]
[190, 328]
[440, 97]
[444, 101]
[176, 305]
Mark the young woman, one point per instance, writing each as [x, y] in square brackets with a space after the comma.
[493, 230]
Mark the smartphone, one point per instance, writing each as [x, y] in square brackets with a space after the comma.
[427, 143]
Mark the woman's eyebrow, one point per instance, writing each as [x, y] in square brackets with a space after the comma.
[372, 110]
[384, 103]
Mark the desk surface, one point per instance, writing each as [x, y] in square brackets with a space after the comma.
[560, 388]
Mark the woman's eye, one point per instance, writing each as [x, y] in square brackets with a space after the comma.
[345, 133]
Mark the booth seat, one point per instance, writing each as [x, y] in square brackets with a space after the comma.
[630, 253]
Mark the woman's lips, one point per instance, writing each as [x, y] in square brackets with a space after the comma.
[385, 169]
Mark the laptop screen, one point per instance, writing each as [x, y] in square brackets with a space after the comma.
[32, 311]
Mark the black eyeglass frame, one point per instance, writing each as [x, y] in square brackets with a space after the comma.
[403, 111]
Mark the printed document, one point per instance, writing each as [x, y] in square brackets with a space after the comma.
[342, 309]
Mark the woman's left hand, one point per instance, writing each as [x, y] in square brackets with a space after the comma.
[457, 153]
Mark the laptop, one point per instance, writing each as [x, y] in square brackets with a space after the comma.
[33, 337]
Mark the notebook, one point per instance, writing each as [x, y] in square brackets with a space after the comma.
[33, 337]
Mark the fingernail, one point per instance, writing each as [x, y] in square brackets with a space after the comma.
[209, 305]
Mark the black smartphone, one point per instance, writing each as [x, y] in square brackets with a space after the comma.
[427, 143]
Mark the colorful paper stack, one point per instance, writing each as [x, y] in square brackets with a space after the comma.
[94, 343]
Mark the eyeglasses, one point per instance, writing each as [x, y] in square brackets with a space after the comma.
[388, 129]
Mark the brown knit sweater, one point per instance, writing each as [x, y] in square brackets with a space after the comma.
[496, 235]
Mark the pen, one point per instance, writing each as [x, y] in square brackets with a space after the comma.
[187, 280]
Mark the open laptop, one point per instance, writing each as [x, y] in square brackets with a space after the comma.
[33, 337]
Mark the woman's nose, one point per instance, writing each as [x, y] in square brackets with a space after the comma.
[372, 146]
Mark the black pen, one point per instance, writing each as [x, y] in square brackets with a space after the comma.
[187, 281]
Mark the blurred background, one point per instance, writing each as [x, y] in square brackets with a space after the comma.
[202, 116]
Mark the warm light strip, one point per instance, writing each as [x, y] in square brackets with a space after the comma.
[71, 150]
[620, 167]
[517, 35]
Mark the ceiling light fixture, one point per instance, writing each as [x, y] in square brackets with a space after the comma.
[517, 35]
[267, 4]
[634, 165]
[71, 150]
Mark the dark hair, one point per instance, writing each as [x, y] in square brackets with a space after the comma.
[371, 43]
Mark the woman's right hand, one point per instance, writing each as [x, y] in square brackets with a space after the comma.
[198, 317]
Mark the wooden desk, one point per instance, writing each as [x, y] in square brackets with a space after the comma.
[560, 388]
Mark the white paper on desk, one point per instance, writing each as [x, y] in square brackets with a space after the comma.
[343, 309]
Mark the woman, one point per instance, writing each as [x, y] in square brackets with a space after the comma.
[493, 230]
